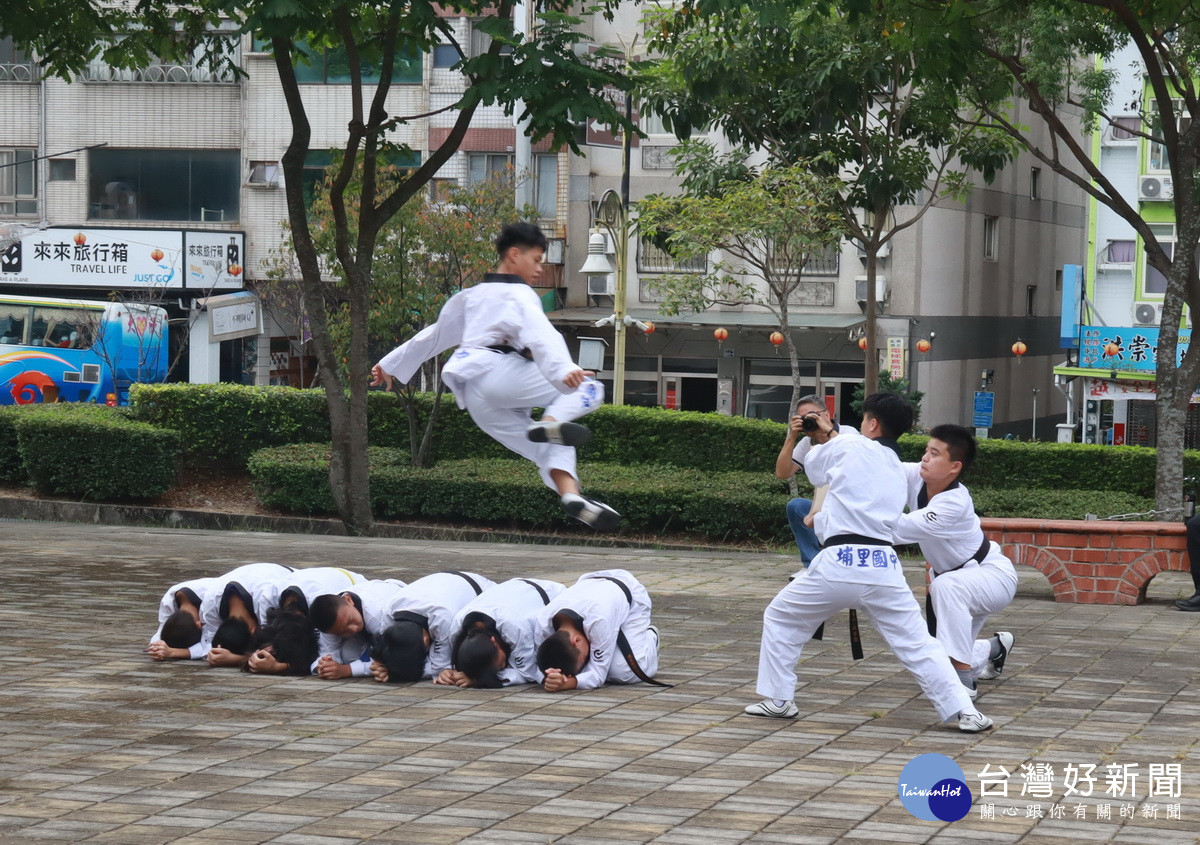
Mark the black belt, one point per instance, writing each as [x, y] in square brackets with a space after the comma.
[540, 590]
[504, 347]
[856, 650]
[930, 616]
[474, 584]
[623, 641]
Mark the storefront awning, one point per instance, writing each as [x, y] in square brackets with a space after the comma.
[826, 322]
[1107, 375]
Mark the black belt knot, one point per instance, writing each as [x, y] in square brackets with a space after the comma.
[505, 348]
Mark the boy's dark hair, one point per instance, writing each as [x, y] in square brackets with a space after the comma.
[893, 412]
[292, 638]
[521, 234]
[323, 611]
[403, 651]
[556, 652]
[180, 630]
[960, 443]
[234, 635]
[474, 654]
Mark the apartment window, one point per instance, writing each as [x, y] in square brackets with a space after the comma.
[1158, 159]
[62, 170]
[445, 56]
[332, 66]
[544, 175]
[1031, 300]
[263, 174]
[481, 41]
[1119, 252]
[653, 259]
[191, 69]
[192, 185]
[15, 64]
[1035, 183]
[1154, 283]
[1125, 128]
[18, 182]
[317, 162]
[823, 261]
[991, 226]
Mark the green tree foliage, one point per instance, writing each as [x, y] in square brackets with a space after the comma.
[844, 84]
[887, 384]
[769, 221]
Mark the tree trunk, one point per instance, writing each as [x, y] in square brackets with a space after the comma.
[871, 364]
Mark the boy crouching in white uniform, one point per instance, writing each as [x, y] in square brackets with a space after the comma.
[857, 568]
[511, 359]
[971, 577]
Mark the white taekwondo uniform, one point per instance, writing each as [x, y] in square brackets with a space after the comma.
[258, 585]
[306, 584]
[436, 599]
[199, 588]
[376, 602]
[969, 581]
[500, 389]
[604, 610]
[866, 496]
[514, 606]
[805, 445]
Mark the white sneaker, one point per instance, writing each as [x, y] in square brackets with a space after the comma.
[767, 707]
[972, 691]
[590, 512]
[973, 722]
[996, 665]
[559, 433]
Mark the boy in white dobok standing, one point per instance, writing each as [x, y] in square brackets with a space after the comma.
[510, 359]
[970, 576]
[857, 568]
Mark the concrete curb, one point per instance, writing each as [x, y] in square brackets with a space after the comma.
[92, 513]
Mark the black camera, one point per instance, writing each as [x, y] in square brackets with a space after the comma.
[809, 424]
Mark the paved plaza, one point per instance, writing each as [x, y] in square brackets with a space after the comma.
[99, 744]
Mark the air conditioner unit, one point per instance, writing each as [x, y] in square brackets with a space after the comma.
[1147, 314]
[885, 249]
[1155, 188]
[860, 288]
[602, 285]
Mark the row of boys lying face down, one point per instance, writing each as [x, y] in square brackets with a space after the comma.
[457, 628]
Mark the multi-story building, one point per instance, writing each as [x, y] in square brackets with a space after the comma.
[180, 159]
[1119, 312]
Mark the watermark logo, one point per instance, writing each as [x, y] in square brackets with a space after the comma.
[933, 787]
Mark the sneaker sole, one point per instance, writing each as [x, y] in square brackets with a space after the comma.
[569, 434]
[761, 715]
[606, 520]
[997, 663]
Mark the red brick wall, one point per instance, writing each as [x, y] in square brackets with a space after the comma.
[1093, 562]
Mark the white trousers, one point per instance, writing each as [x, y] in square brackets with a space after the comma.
[799, 608]
[501, 402]
[642, 640]
[962, 601]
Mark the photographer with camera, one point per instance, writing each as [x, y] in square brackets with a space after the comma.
[791, 456]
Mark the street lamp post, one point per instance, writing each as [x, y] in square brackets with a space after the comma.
[612, 219]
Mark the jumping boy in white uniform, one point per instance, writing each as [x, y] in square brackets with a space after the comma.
[971, 577]
[591, 630]
[857, 568]
[510, 359]
[496, 635]
[179, 628]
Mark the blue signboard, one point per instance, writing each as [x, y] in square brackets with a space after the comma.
[1072, 297]
[1117, 349]
[984, 403]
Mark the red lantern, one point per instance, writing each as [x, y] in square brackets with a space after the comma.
[1019, 349]
[721, 335]
[157, 254]
[80, 238]
[650, 327]
[862, 343]
[924, 345]
[776, 338]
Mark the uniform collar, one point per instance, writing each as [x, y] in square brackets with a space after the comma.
[503, 278]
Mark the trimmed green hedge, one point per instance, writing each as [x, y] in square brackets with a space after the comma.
[731, 505]
[89, 451]
[10, 452]
[723, 505]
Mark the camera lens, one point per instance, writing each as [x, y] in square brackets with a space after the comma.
[808, 423]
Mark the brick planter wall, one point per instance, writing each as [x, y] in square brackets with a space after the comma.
[1093, 562]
